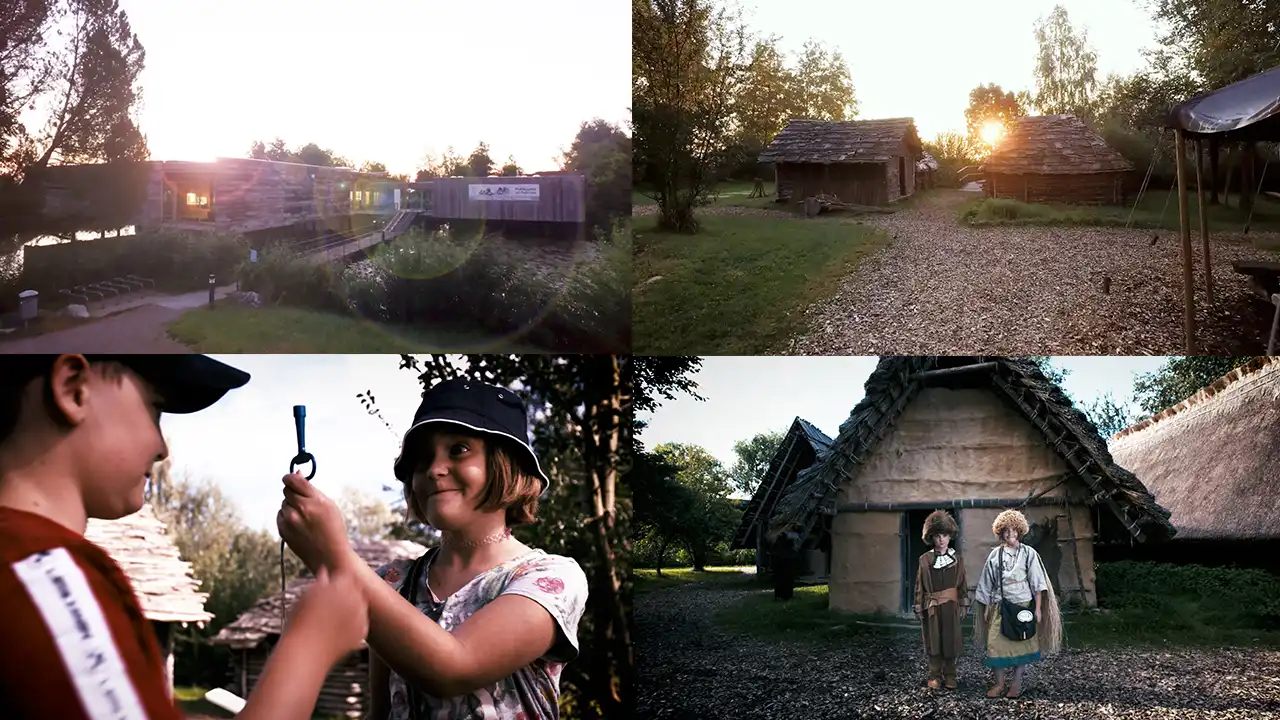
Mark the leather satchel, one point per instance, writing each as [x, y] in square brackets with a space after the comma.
[1016, 623]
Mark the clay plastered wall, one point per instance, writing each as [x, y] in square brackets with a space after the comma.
[977, 541]
[953, 444]
[866, 552]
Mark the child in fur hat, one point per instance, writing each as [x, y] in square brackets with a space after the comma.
[1026, 585]
[942, 598]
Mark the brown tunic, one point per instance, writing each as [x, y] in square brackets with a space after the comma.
[940, 595]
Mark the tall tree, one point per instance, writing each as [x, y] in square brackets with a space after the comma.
[990, 103]
[1180, 378]
[1066, 70]
[822, 88]
[1222, 41]
[689, 60]
[754, 455]
[1055, 373]
[368, 516]
[372, 167]
[479, 162]
[660, 502]
[712, 516]
[765, 102]
[511, 168]
[602, 153]
[1109, 416]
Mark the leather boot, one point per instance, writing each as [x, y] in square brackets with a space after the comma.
[935, 671]
[949, 672]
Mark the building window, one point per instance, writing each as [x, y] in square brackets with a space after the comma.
[192, 199]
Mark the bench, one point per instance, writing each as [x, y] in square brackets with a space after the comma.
[101, 290]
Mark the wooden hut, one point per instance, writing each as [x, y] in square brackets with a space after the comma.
[926, 171]
[1214, 461]
[162, 580]
[802, 447]
[861, 162]
[1055, 159]
[974, 436]
[252, 636]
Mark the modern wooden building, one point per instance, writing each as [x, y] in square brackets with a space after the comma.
[558, 198]
[1055, 159]
[252, 636]
[803, 447]
[162, 580]
[231, 195]
[862, 162]
[1214, 461]
[974, 436]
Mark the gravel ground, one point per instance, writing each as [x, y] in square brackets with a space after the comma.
[688, 668]
[946, 288]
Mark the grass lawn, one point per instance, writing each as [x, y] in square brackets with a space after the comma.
[1179, 622]
[647, 579]
[1151, 212]
[190, 700]
[740, 286]
[728, 193]
[234, 328]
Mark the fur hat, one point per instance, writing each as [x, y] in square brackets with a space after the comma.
[939, 522]
[1010, 519]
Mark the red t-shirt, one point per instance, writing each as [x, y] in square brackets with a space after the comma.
[75, 644]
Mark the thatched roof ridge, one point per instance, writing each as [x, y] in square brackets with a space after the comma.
[894, 383]
[851, 141]
[1214, 459]
[263, 619]
[1053, 145]
[142, 547]
[927, 163]
[777, 476]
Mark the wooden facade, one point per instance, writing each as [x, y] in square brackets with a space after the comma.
[541, 199]
[971, 435]
[862, 162]
[251, 637]
[1056, 159]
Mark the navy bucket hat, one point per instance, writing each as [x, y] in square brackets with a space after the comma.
[478, 407]
[186, 383]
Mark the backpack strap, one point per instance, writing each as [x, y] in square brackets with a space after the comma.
[409, 591]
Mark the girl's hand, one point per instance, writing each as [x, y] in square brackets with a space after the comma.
[332, 613]
[312, 525]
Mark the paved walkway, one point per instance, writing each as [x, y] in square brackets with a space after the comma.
[136, 325]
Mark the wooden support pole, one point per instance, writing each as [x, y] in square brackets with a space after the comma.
[1184, 223]
[1215, 177]
[1204, 223]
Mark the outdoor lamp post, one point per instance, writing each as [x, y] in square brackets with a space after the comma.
[212, 284]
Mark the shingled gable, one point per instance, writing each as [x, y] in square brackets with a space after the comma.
[851, 141]
[1214, 459]
[141, 545]
[1018, 382]
[1053, 145]
[802, 447]
[263, 619]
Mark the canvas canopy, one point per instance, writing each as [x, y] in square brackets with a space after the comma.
[1248, 110]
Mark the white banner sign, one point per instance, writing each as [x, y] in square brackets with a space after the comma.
[503, 192]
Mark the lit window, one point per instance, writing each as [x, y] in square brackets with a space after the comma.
[204, 201]
[191, 199]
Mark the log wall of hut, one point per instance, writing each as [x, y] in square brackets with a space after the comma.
[951, 445]
[560, 199]
[856, 183]
[1090, 189]
[345, 692]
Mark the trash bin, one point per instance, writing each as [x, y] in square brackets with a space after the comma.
[27, 300]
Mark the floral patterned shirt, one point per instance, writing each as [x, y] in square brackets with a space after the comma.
[555, 582]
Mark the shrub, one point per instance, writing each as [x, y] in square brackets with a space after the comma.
[1226, 596]
[284, 277]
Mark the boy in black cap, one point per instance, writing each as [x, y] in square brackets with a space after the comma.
[482, 626]
[78, 438]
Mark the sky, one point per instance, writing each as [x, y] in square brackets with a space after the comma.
[245, 441]
[745, 396]
[921, 58]
[386, 81]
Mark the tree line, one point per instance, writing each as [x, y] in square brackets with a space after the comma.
[709, 94]
[686, 512]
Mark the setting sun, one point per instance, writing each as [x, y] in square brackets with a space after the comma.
[991, 132]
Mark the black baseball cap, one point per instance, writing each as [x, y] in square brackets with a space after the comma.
[476, 406]
[186, 383]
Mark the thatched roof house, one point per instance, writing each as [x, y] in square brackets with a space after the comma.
[864, 162]
[162, 580]
[1055, 159]
[255, 632]
[1214, 461]
[802, 447]
[976, 436]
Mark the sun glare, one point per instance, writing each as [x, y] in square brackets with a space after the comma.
[991, 132]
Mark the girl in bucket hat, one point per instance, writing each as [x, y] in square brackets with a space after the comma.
[942, 598]
[483, 625]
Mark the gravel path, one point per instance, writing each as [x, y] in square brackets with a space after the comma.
[140, 330]
[688, 668]
[945, 288]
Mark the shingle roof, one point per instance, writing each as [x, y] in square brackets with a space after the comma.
[1053, 145]
[850, 141]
